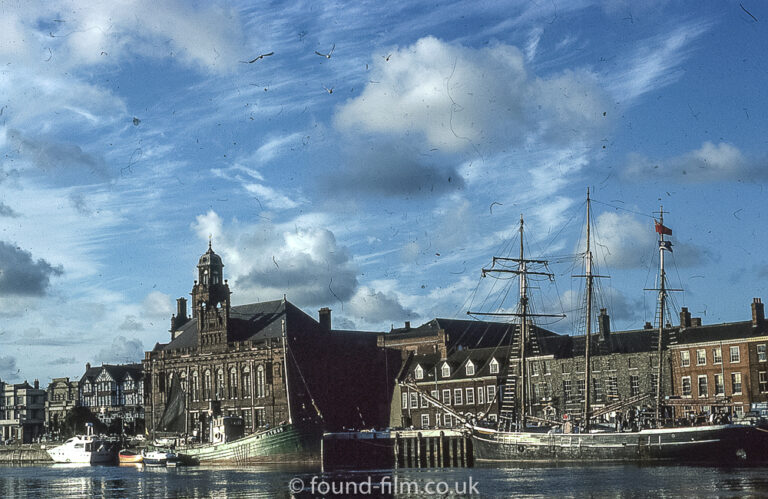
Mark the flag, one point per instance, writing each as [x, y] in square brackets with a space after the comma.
[666, 245]
[663, 230]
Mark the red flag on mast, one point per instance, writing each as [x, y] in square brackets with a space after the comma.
[663, 230]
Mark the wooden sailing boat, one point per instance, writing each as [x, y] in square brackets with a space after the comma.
[514, 441]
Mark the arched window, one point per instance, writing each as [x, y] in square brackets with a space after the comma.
[207, 384]
[183, 379]
[246, 382]
[233, 383]
[220, 384]
[195, 386]
[260, 382]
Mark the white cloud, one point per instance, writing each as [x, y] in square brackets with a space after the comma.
[623, 241]
[710, 163]
[376, 307]
[121, 351]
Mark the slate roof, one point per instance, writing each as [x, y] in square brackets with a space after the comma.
[719, 332]
[254, 322]
[118, 372]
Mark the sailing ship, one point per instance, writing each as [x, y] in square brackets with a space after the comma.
[513, 440]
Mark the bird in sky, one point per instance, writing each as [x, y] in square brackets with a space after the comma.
[329, 90]
[328, 55]
[262, 56]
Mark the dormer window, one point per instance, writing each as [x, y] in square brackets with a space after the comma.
[494, 366]
[470, 368]
[418, 372]
[446, 370]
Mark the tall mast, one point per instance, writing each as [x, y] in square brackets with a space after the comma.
[662, 299]
[523, 331]
[587, 363]
[523, 314]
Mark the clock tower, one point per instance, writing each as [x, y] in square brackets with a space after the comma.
[210, 302]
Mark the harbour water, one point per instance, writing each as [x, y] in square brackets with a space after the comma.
[610, 480]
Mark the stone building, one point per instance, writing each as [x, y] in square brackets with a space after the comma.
[266, 362]
[22, 412]
[62, 396]
[114, 393]
[721, 367]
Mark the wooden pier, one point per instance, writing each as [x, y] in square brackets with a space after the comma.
[396, 449]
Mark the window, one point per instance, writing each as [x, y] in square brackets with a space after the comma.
[761, 354]
[654, 383]
[437, 420]
[717, 355]
[446, 370]
[534, 368]
[491, 392]
[470, 368]
[246, 376]
[480, 395]
[613, 388]
[470, 396]
[580, 389]
[719, 385]
[736, 383]
[414, 400]
[598, 386]
[702, 386]
[418, 372]
[435, 395]
[567, 389]
[207, 385]
[220, 384]
[735, 355]
[738, 410]
[457, 398]
[261, 389]
[447, 420]
[762, 379]
[701, 357]
[232, 383]
[425, 420]
[634, 385]
[685, 358]
[195, 386]
[405, 400]
[494, 366]
[447, 397]
[424, 403]
[686, 386]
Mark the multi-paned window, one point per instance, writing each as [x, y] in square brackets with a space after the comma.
[446, 370]
[634, 385]
[534, 368]
[567, 389]
[703, 386]
[494, 366]
[685, 358]
[613, 387]
[491, 392]
[735, 354]
[686, 386]
[762, 379]
[654, 383]
[414, 400]
[701, 357]
[418, 373]
[761, 353]
[470, 392]
[719, 385]
[457, 397]
[425, 420]
[717, 355]
[470, 368]
[598, 385]
[480, 395]
[736, 383]
[424, 403]
[447, 397]
[405, 400]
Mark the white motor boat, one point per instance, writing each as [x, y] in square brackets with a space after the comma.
[159, 457]
[87, 449]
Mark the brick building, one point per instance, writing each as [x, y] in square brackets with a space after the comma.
[61, 397]
[22, 412]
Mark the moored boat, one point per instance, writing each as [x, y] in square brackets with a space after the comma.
[127, 456]
[87, 449]
[159, 457]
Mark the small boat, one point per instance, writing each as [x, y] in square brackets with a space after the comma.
[86, 449]
[160, 457]
[127, 456]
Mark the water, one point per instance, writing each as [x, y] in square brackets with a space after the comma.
[530, 481]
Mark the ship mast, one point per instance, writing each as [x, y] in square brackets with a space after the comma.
[662, 299]
[523, 313]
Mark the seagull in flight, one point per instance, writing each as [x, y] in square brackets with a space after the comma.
[329, 90]
[328, 55]
[262, 56]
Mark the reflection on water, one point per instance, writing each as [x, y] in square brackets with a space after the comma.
[64, 481]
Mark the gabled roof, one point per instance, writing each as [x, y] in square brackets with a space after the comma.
[480, 357]
[251, 322]
[117, 372]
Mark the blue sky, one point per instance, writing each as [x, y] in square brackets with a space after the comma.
[377, 181]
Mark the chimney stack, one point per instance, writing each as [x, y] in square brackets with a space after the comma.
[604, 325]
[87, 365]
[180, 318]
[325, 318]
[758, 312]
[696, 322]
[407, 325]
[37, 385]
[685, 318]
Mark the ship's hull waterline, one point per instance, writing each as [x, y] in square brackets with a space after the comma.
[717, 443]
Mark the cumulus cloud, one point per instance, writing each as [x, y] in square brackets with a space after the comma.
[388, 169]
[130, 324]
[370, 306]
[618, 306]
[157, 305]
[8, 369]
[122, 350]
[710, 163]
[21, 275]
[7, 211]
[62, 162]
[457, 98]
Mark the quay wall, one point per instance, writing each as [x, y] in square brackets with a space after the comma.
[24, 453]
